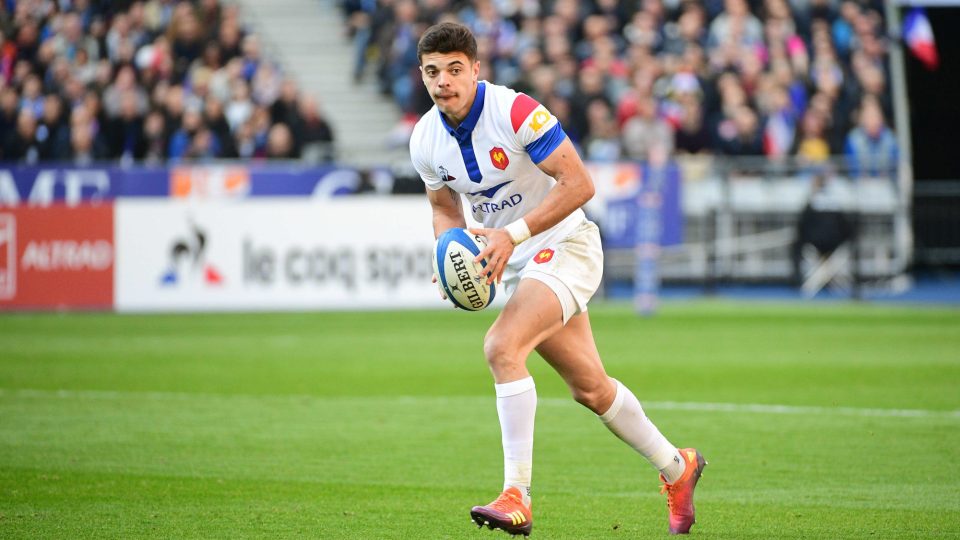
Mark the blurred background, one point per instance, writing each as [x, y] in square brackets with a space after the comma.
[178, 155]
[162, 158]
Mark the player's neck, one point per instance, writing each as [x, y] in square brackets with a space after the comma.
[455, 119]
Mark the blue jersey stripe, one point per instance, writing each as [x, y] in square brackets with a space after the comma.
[544, 146]
[464, 134]
[470, 159]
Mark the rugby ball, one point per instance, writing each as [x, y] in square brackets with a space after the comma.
[461, 279]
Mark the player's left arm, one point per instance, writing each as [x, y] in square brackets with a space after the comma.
[573, 189]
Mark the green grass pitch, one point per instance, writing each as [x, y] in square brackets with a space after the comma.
[383, 425]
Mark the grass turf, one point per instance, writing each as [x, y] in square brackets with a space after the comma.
[382, 425]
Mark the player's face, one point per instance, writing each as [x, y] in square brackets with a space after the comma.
[452, 82]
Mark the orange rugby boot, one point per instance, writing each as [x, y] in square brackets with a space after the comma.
[680, 493]
[507, 513]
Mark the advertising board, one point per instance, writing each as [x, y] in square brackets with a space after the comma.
[56, 257]
[274, 254]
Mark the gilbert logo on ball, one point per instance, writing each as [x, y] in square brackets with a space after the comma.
[462, 280]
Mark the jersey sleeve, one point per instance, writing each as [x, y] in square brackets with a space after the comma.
[538, 131]
[421, 163]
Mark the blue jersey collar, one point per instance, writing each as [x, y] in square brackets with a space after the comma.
[465, 128]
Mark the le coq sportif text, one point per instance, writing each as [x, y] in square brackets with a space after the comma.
[342, 266]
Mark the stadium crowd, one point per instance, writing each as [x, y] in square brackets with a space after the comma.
[775, 78]
[159, 80]
[151, 81]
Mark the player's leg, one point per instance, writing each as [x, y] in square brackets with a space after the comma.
[573, 354]
[531, 315]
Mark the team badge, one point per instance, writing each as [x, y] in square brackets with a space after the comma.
[446, 176]
[544, 256]
[499, 158]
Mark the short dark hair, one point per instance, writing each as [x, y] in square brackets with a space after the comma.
[448, 37]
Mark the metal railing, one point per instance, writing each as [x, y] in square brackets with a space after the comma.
[741, 218]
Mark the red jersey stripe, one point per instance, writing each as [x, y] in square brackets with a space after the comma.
[523, 105]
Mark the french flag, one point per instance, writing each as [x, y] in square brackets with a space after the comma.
[919, 37]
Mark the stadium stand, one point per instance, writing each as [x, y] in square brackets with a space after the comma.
[159, 80]
[147, 81]
[771, 78]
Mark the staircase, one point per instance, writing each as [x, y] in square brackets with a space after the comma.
[307, 38]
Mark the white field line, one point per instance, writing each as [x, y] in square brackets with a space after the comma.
[757, 408]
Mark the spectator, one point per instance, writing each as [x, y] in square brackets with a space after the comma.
[71, 40]
[52, 132]
[185, 38]
[812, 146]
[153, 144]
[121, 41]
[247, 147]
[214, 118]
[223, 79]
[230, 38]
[590, 87]
[260, 122]
[83, 69]
[285, 108]
[399, 44]
[871, 148]
[689, 30]
[251, 56]
[124, 130]
[741, 135]
[645, 130]
[32, 98]
[313, 133]
[182, 141]
[240, 107]
[602, 142]
[125, 84]
[203, 146]
[9, 106]
[23, 144]
[359, 19]
[280, 143]
[735, 27]
[157, 15]
[173, 107]
[266, 85]
[691, 135]
[780, 126]
[28, 41]
[85, 146]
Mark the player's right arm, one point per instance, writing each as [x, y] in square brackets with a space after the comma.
[447, 214]
[447, 210]
[446, 205]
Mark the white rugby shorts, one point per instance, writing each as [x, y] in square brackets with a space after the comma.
[572, 268]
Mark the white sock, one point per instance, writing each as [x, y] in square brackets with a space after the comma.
[626, 420]
[516, 407]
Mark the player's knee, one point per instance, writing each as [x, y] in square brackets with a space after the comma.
[499, 351]
[596, 397]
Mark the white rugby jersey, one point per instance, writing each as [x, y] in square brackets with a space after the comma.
[492, 158]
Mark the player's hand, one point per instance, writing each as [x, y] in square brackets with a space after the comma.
[497, 253]
[439, 288]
